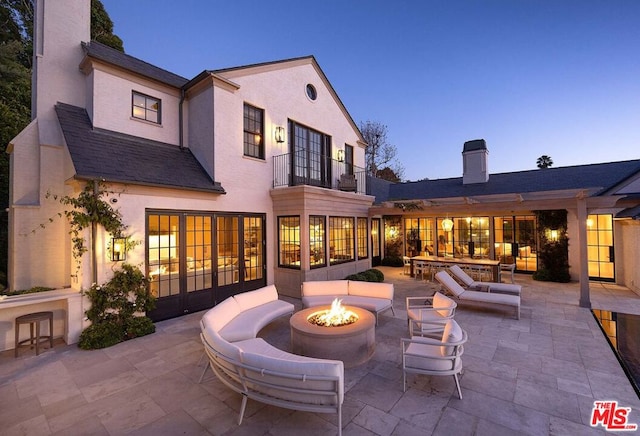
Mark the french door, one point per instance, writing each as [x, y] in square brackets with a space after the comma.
[196, 260]
[515, 241]
[376, 242]
[600, 249]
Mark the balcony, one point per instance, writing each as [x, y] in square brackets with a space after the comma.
[317, 170]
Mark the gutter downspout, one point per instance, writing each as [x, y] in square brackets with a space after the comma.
[181, 119]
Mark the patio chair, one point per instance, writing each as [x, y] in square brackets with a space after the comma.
[427, 315]
[406, 265]
[472, 285]
[431, 356]
[420, 267]
[460, 294]
[509, 267]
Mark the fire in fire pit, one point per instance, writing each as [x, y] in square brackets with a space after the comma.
[337, 316]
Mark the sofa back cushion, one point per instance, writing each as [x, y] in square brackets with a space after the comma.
[452, 333]
[442, 301]
[369, 289]
[251, 299]
[223, 312]
[327, 287]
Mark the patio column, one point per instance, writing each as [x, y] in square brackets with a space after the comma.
[585, 300]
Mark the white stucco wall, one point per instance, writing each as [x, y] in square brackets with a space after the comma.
[111, 104]
[628, 253]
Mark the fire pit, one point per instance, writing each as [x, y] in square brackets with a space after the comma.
[353, 341]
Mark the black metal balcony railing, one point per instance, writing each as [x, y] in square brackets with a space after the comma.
[316, 170]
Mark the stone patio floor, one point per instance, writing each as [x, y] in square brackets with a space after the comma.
[538, 375]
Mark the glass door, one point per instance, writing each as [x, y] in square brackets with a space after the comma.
[600, 248]
[375, 242]
[515, 241]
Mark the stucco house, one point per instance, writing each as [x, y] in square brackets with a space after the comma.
[254, 175]
[229, 181]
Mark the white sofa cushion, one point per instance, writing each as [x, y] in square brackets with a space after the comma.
[369, 289]
[369, 303]
[251, 299]
[327, 287]
[319, 300]
[248, 323]
[223, 312]
[442, 301]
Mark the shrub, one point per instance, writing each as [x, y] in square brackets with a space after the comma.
[356, 277]
[379, 275]
[369, 275]
[113, 309]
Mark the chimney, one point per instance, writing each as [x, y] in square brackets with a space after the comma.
[475, 159]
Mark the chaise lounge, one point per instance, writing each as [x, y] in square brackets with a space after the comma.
[470, 284]
[454, 289]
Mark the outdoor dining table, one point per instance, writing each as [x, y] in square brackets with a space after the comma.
[493, 264]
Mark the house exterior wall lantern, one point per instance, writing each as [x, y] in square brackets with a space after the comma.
[118, 249]
[279, 134]
[340, 155]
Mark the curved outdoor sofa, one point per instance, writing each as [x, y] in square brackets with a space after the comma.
[372, 296]
[257, 370]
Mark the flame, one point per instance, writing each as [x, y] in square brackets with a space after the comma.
[338, 315]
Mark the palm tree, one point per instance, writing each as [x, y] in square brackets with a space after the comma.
[544, 161]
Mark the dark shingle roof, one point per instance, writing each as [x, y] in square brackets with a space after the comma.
[594, 177]
[107, 54]
[116, 157]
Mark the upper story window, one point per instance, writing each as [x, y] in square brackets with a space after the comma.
[253, 131]
[145, 107]
[348, 159]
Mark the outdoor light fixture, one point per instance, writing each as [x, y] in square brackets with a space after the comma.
[340, 155]
[118, 249]
[447, 224]
[257, 138]
[279, 134]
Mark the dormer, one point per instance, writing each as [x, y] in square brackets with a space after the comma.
[475, 159]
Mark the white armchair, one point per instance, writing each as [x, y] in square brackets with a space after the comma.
[427, 315]
[429, 356]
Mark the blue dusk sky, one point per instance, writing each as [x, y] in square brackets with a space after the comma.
[546, 77]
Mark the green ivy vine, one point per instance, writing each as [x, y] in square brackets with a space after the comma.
[89, 207]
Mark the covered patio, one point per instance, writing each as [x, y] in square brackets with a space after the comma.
[537, 375]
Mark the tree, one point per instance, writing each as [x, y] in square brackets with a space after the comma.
[380, 154]
[16, 52]
[102, 27]
[544, 161]
[387, 173]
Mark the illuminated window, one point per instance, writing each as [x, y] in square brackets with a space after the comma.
[363, 239]
[289, 241]
[316, 241]
[253, 131]
[341, 240]
[145, 107]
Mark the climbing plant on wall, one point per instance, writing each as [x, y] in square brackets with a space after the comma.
[553, 247]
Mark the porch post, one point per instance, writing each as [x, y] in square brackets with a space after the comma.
[585, 300]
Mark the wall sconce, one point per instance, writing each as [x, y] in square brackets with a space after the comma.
[118, 249]
[447, 224]
[552, 235]
[279, 134]
[340, 155]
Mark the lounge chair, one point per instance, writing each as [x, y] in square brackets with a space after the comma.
[454, 289]
[432, 356]
[494, 287]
